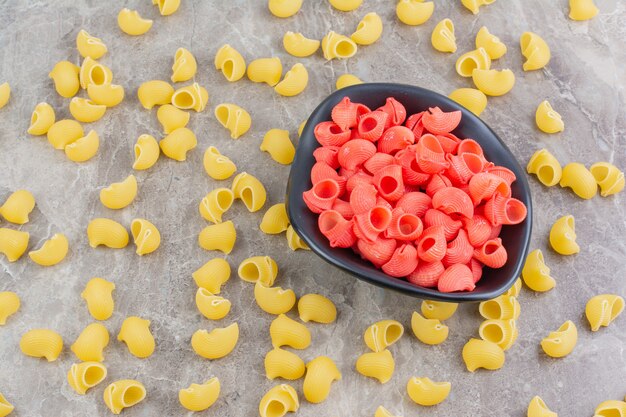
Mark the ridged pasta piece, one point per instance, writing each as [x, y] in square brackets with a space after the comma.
[428, 331]
[42, 343]
[536, 273]
[83, 149]
[609, 178]
[490, 43]
[178, 143]
[276, 142]
[278, 401]
[294, 82]
[280, 363]
[439, 310]
[42, 119]
[414, 12]
[503, 307]
[123, 394]
[18, 206]
[189, 97]
[52, 251]
[287, 332]
[93, 72]
[91, 342]
[294, 241]
[338, 46]
[424, 391]
[167, 7]
[135, 332]
[535, 50]
[611, 408]
[64, 132]
[215, 204]
[273, 300]
[275, 220]
[84, 376]
[602, 309]
[184, 67]
[546, 167]
[432, 244]
[548, 120]
[482, 354]
[5, 94]
[212, 275]
[383, 412]
[146, 152]
[65, 78]
[85, 110]
[108, 94]
[346, 5]
[216, 165]
[119, 194]
[316, 308]
[13, 243]
[211, 306]
[515, 290]
[131, 23]
[469, 61]
[9, 305]
[98, 294]
[501, 332]
[563, 236]
[378, 365]
[382, 334]
[442, 37]
[369, 29]
[284, 8]
[217, 343]
[146, 236]
[320, 374]
[250, 191]
[265, 70]
[577, 177]
[538, 408]
[561, 342]
[493, 82]
[220, 236]
[199, 397]
[456, 277]
[298, 45]
[234, 118]
[230, 62]
[582, 9]
[427, 274]
[346, 80]
[155, 93]
[172, 118]
[90, 46]
[473, 5]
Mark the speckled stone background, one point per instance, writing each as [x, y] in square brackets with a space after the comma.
[584, 81]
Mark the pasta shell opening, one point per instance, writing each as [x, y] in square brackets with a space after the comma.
[94, 375]
[275, 408]
[133, 395]
[184, 100]
[345, 48]
[492, 332]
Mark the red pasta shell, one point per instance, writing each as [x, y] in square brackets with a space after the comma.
[378, 161]
[355, 152]
[404, 226]
[330, 134]
[346, 114]
[439, 122]
[344, 208]
[459, 251]
[372, 125]
[483, 186]
[363, 198]
[395, 138]
[478, 229]
[389, 182]
[452, 200]
[371, 224]
[378, 252]
[502, 172]
[470, 146]
[491, 253]
[503, 210]
[432, 244]
[449, 142]
[430, 156]
[322, 196]
[395, 110]
[463, 167]
[456, 278]
[337, 230]
[327, 154]
[426, 274]
[415, 203]
[450, 226]
[360, 177]
[436, 183]
[411, 171]
[382, 202]
[322, 171]
[477, 269]
[414, 122]
[402, 262]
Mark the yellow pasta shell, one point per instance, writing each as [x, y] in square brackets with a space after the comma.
[602, 309]
[211, 306]
[220, 236]
[429, 331]
[85, 110]
[378, 365]
[135, 332]
[275, 220]
[443, 38]
[172, 118]
[501, 332]
[346, 5]
[561, 342]
[425, 392]
[90, 46]
[473, 5]
[316, 308]
[284, 8]
[611, 408]
[146, 236]
[536, 273]
[123, 394]
[216, 165]
[472, 99]
[83, 376]
[383, 334]
[278, 401]
[234, 118]
[192, 96]
[212, 275]
[199, 397]
[167, 7]
[109, 95]
[52, 251]
[298, 45]
[482, 354]
[439, 310]
[538, 408]
[563, 236]
[250, 191]
[42, 119]
[258, 268]
[215, 204]
[217, 343]
[548, 120]
[185, 65]
[276, 142]
[503, 307]
[469, 61]
[280, 363]
[9, 304]
[265, 70]
[546, 167]
[64, 132]
[369, 29]
[18, 206]
[91, 342]
[490, 43]
[230, 62]
[294, 241]
[132, 23]
[294, 82]
[13, 243]
[42, 343]
[383, 412]
[119, 194]
[609, 178]
[5, 94]
[338, 46]
[535, 50]
[178, 143]
[65, 78]
[320, 374]
[146, 151]
[107, 232]
[83, 149]
[274, 300]
[287, 332]
[582, 9]
[345, 80]
[93, 72]
[155, 93]
[99, 298]
[493, 82]
[414, 12]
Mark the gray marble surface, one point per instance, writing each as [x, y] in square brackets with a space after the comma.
[585, 82]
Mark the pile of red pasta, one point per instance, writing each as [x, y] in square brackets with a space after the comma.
[409, 196]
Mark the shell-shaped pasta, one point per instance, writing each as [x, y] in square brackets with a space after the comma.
[230, 62]
[192, 96]
[42, 119]
[172, 118]
[414, 12]
[258, 268]
[501, 332]
[472, 99]
[109, 95]
[119, 194]
[515, 290]
[379, 365]
[294, 82]
[611, 408]
[42, 343]
[135, 332]
[284, 8]
[298, 45]
[212, 275]
[234, 118]
[83, 149]
[482, 354]
[65, 78]
[429, 331]
[90, 46]
[276, 142]
[504, 307]
[561, 342]
[213, 307]
[469, 61]
[85, 110]
[220, 236]
[546, 167]
[602, 309]
[538, 408]
[146, 152]
[563, 236]
[250, 191]
[155, 93]
[217, 343]
[265, 70]
[146, 236]
[609, 178]
[9, 304]
[338, 46]
[582, 9]
[380, 335]
[5, 94]
[490, 43]
[123, 394]
[107, 232]
[131, 23]
[215, 204]
[443, 38]
[178, 143]
[52, 251]
[320, 374]
[278, 401]
[13, 243]
[493, 82]
[535, 50]
[536, 273]
[185, 66]
[280, 363]
[369, 29]
[18, 206]
[344, 80]
[383, 412]
[273, 300]
[425, 392]
[439, 310]
[275, 220]
[93, 72]
[316, 308]
[98, 294]
[167, 7]
[91, 342]
[199, 397]
[473, 5]
[85, 375]
[64, 132]
[577, 177]
[345, 5]
[294, 241]
[287, 332]
[216, 165]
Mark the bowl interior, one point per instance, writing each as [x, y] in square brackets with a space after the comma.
[515, 238]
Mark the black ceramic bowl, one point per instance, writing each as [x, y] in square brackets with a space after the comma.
[515, 238]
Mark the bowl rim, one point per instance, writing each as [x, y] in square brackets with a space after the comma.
[395, 283]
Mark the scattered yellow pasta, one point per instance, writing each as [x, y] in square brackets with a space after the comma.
[561, 342]
[90, 46]
[123, 394]
[199, 397]
[536, 273]
[345, 80]
[178, 143]
[439, 310]
[278, 401]
[64, 132]
[65, 78]
[602, 309]
[369, 29]
[378, 365]
[490, 43]
[86, 375]
[501, 332]
[429, 331]
[414, 12]
[234, 118]
[131, 23]
[482, 354]
[493, 82]
[85, 110]
[320, 374]
[383, 412]
[52, 251]
[503, 307]
[42, 119]
[217, 343]
[535, 50]
[474, 5]
[215, 204]
[9, 304]
[611, 408]
[230, 62]
[294, 241]
[83, 149]
[93, 72]
[546, 167]
[155, 93]
[109, 95]
[276, 142]
[107, 232]
[469, 61]
[265, 70]
[250, 191]
[582, 9]
[146, 236]
[17, 207]
[185, 66]
[425, 392]
[275, 220]
[274, 300]
[146, 151]
[220, 236]
[135, 332]
[119, 194]
[563, 236]
[211, 306]
[13, 243]
[294, 82]
[167, 7]
[5, 94]
[212, 275]
[538, 408]
[345, 5]
[443, 38]
[98, 294]
[42, 343]
[287, 332]
[284, 8]
[91, 342]
[338, 46]
[298, 45]
[258, 268]
[172, 118]
[472, 99]
[380, 335]
[192, 96]
[316, 308]
[216, 165]
[280, 363]
[577, 177]
[609, 178]
[6, 407]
